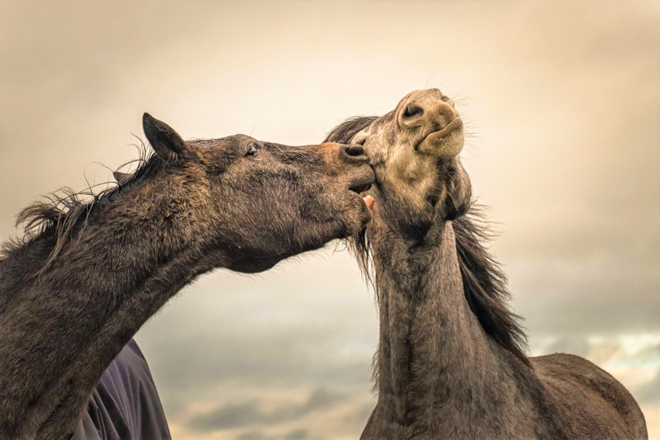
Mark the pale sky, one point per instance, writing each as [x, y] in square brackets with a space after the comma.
[562, 101]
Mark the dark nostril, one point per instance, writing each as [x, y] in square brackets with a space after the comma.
[354, 150]
[412, 111]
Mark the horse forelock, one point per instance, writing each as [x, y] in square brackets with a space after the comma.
[344, 132]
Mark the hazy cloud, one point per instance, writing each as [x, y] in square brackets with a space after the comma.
[650, 393]
[573, 345]
[252, 414]
[253, 435]
[360, 417]
[600, 294]
[298, 434]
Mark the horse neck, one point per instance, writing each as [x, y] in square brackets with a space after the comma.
[432, 349]
[62, 325]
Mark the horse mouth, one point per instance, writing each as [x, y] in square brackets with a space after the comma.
[437, 136]
[360, 188]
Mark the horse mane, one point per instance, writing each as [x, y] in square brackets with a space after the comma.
[57, 214]
[484, 281]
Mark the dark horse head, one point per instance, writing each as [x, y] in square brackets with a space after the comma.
[242, 203]
[89, 273]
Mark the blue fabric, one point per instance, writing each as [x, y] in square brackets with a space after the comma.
[125, 404]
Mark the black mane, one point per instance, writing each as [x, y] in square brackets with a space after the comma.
[55, 217]
[484, 282]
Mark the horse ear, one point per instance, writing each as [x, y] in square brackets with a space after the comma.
[165, 141]
[120, 177]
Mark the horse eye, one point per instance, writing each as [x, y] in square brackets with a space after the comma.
[252, 151]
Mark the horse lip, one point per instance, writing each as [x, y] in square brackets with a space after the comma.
[455, 124]
[363, 181]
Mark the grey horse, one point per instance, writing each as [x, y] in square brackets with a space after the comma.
[451, 360]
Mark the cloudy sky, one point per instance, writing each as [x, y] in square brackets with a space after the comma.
[562, 101]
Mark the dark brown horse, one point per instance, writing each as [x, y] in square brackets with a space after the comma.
[451, 362]
[80, 285]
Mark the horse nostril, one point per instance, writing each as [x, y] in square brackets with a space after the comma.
[412, 111]
[354, 150]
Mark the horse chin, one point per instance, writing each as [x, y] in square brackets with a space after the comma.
[364, 204]
[446, 143]
[254, 265]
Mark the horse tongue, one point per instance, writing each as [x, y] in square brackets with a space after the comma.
[369, 201]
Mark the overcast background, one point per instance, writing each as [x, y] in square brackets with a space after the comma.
[562, 100]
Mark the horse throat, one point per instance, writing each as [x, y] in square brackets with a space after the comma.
[432, 349]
